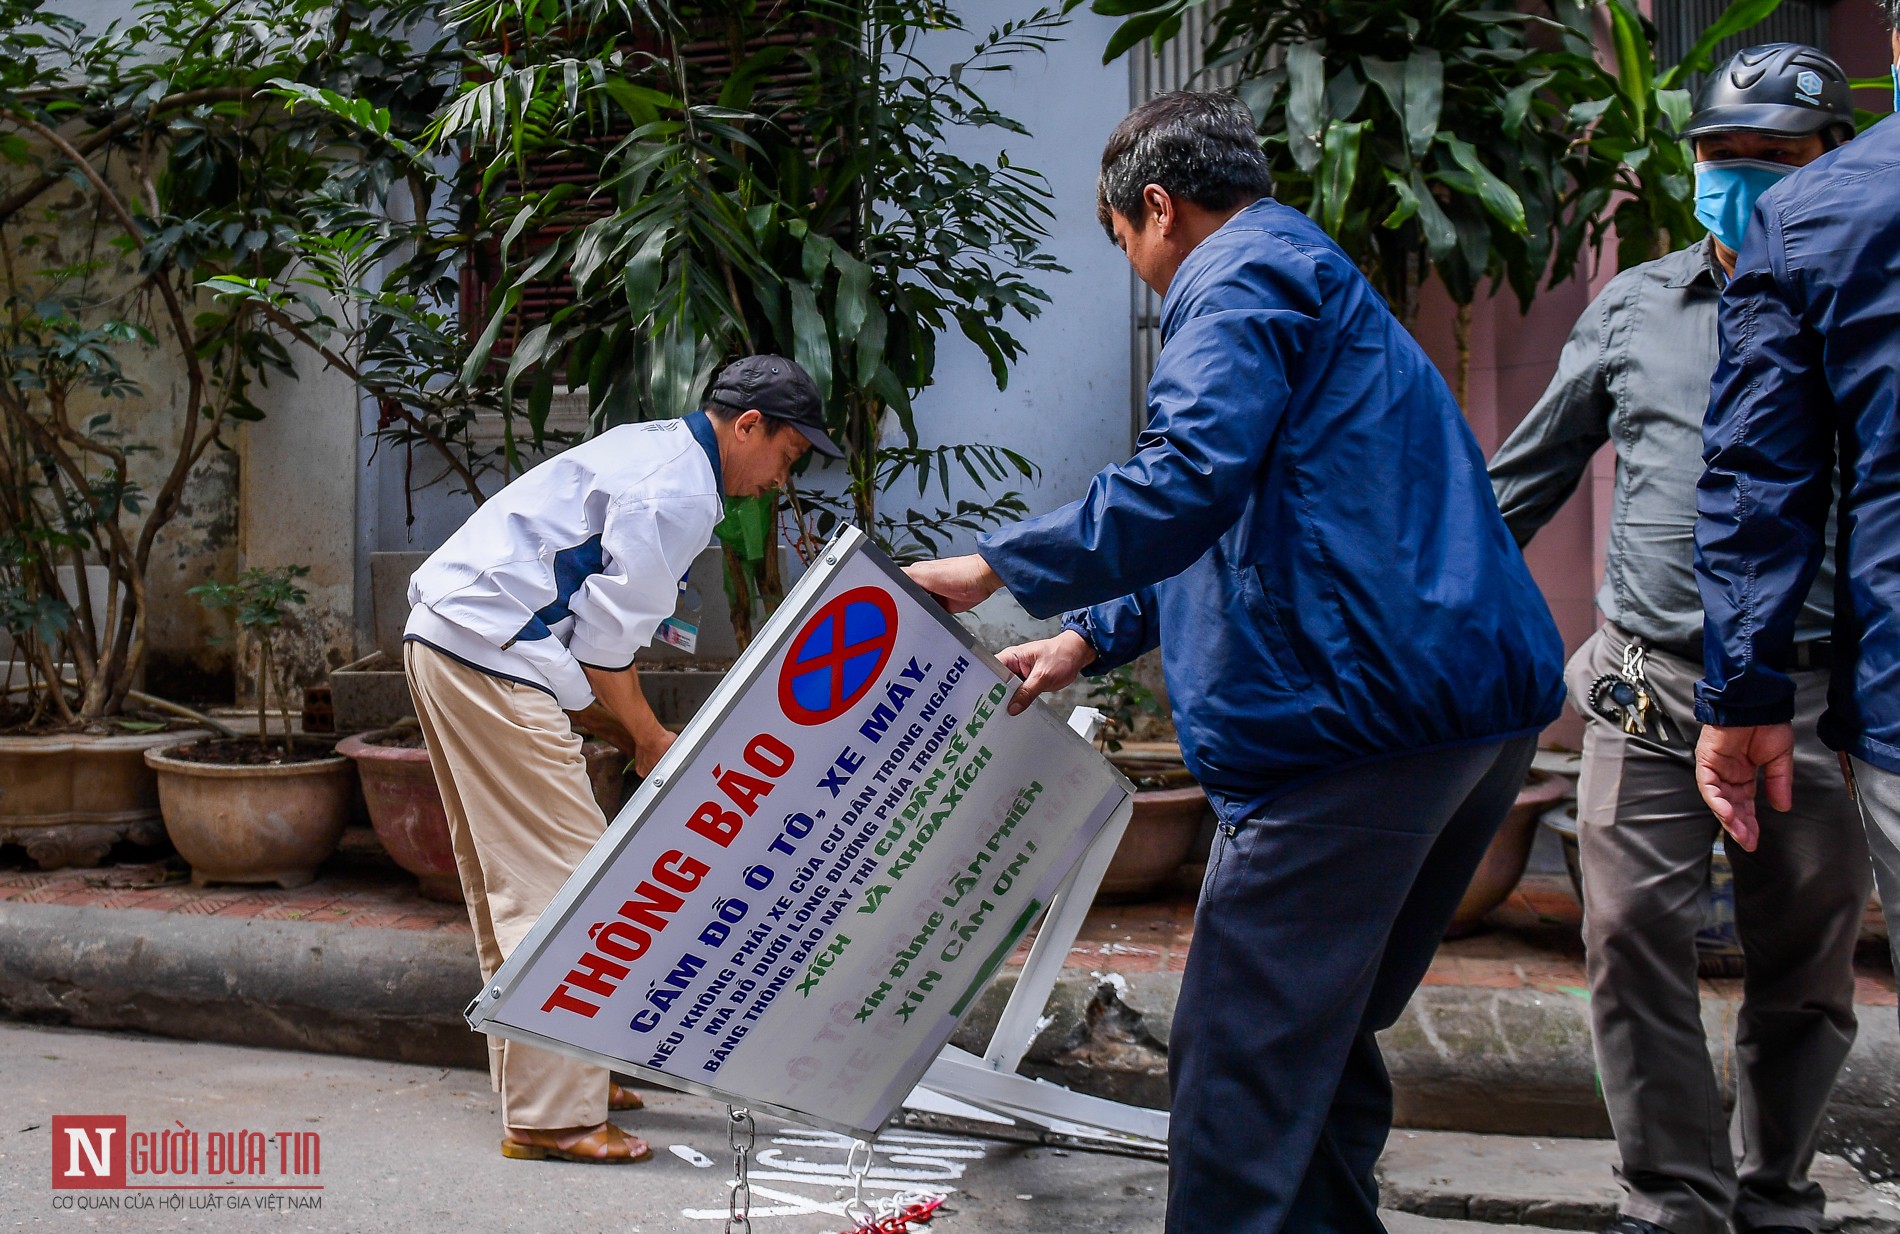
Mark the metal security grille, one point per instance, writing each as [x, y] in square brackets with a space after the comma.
[1179, 67]
[1680, 22]
[707, 62]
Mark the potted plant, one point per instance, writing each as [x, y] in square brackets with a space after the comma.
[138, 160]
[68, 792]
[1169, 805]
[255, 809]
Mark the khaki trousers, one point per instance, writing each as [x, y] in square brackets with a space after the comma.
[1646, 836]
[521, 815]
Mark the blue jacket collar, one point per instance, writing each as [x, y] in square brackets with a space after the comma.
[700, 425]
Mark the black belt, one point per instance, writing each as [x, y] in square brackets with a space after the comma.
[1814, 655]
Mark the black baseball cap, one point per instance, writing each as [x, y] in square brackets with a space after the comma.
[780, 389]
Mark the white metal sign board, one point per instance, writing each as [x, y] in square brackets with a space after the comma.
[799, 904]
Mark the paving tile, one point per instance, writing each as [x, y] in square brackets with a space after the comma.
[250, 906]
[377, 919]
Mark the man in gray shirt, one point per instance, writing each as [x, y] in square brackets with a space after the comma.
[1635, 372]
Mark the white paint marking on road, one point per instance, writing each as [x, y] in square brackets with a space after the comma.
[690, 1155]
[819, 1160]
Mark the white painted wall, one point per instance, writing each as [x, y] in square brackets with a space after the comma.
[1067, 403]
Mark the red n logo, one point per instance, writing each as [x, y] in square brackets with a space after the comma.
[88, 1150]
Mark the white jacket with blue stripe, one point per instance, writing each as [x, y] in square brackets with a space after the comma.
[575, 563]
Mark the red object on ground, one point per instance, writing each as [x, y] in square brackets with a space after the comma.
[918, 1213]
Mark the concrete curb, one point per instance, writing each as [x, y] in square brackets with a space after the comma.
[392, 994]
[1505, 1061]
[1566, 1183]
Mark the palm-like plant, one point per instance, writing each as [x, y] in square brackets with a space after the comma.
[1426, 139]
[806, 200]
[1462, 140]
[1639, 162]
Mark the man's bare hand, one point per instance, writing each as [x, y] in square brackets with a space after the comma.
[651, 749]
[1726, 762]
[958, 583]
[1045, 665]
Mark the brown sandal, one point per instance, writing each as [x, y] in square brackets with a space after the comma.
[602, 1145]
[620, 1099]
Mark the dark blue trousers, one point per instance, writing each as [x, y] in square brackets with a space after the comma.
[1317, 921]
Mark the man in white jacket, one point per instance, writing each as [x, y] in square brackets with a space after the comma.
[525, 622]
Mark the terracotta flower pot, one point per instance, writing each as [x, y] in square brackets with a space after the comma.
[1509, 853]
[405, 806]
[1718, 944]
[1166, 822]
[67, 799]
[1159, 838]
[253, 824]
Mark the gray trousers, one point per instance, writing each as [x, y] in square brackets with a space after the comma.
[1646, 837]
[1878, 795]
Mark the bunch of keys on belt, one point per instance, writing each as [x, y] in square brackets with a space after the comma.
[1623, 698]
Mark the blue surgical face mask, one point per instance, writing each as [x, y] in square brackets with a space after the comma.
[1725, 194]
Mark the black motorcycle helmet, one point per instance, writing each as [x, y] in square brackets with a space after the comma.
[1789, 89]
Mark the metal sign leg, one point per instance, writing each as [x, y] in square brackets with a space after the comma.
[990, 1083]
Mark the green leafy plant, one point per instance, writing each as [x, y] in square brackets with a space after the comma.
[139, 163]
[812, 201]
[1122, 700]
[1426, 139]
[1640, 163]
[1477, 144]
[260, 601]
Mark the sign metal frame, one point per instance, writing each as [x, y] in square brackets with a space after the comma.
[989, 1083]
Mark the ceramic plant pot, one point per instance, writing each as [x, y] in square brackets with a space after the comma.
[1166, 822]
[1159, 838]
[253, 824]
[1718, 946]
[68, 799]
[1509, 853]
[405, 806]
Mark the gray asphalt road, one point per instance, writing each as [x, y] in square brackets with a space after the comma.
[414, 1149]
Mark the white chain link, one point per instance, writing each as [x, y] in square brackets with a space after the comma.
[855, 1208]
[740, 1131]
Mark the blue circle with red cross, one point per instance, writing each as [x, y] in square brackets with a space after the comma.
[836, 658]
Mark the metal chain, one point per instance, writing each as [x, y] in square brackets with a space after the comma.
[740, 1130]
[855, 1208]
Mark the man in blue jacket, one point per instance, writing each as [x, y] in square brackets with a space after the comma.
[1358, 660]
[1809, 380]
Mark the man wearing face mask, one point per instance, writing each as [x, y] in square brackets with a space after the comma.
[1635, 372]
[1808, 387]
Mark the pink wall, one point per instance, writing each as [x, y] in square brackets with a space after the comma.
[1857, 36]
[1512, 358]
